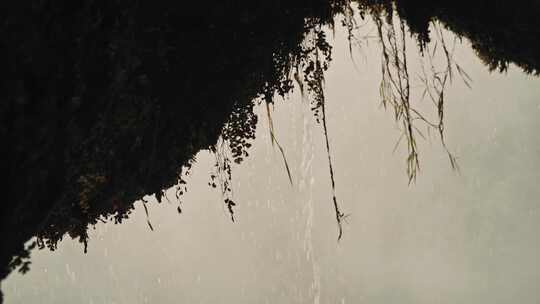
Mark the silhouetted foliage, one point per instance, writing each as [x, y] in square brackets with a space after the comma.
[106, 101]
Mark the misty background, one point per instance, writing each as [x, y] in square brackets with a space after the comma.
[452, 237]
